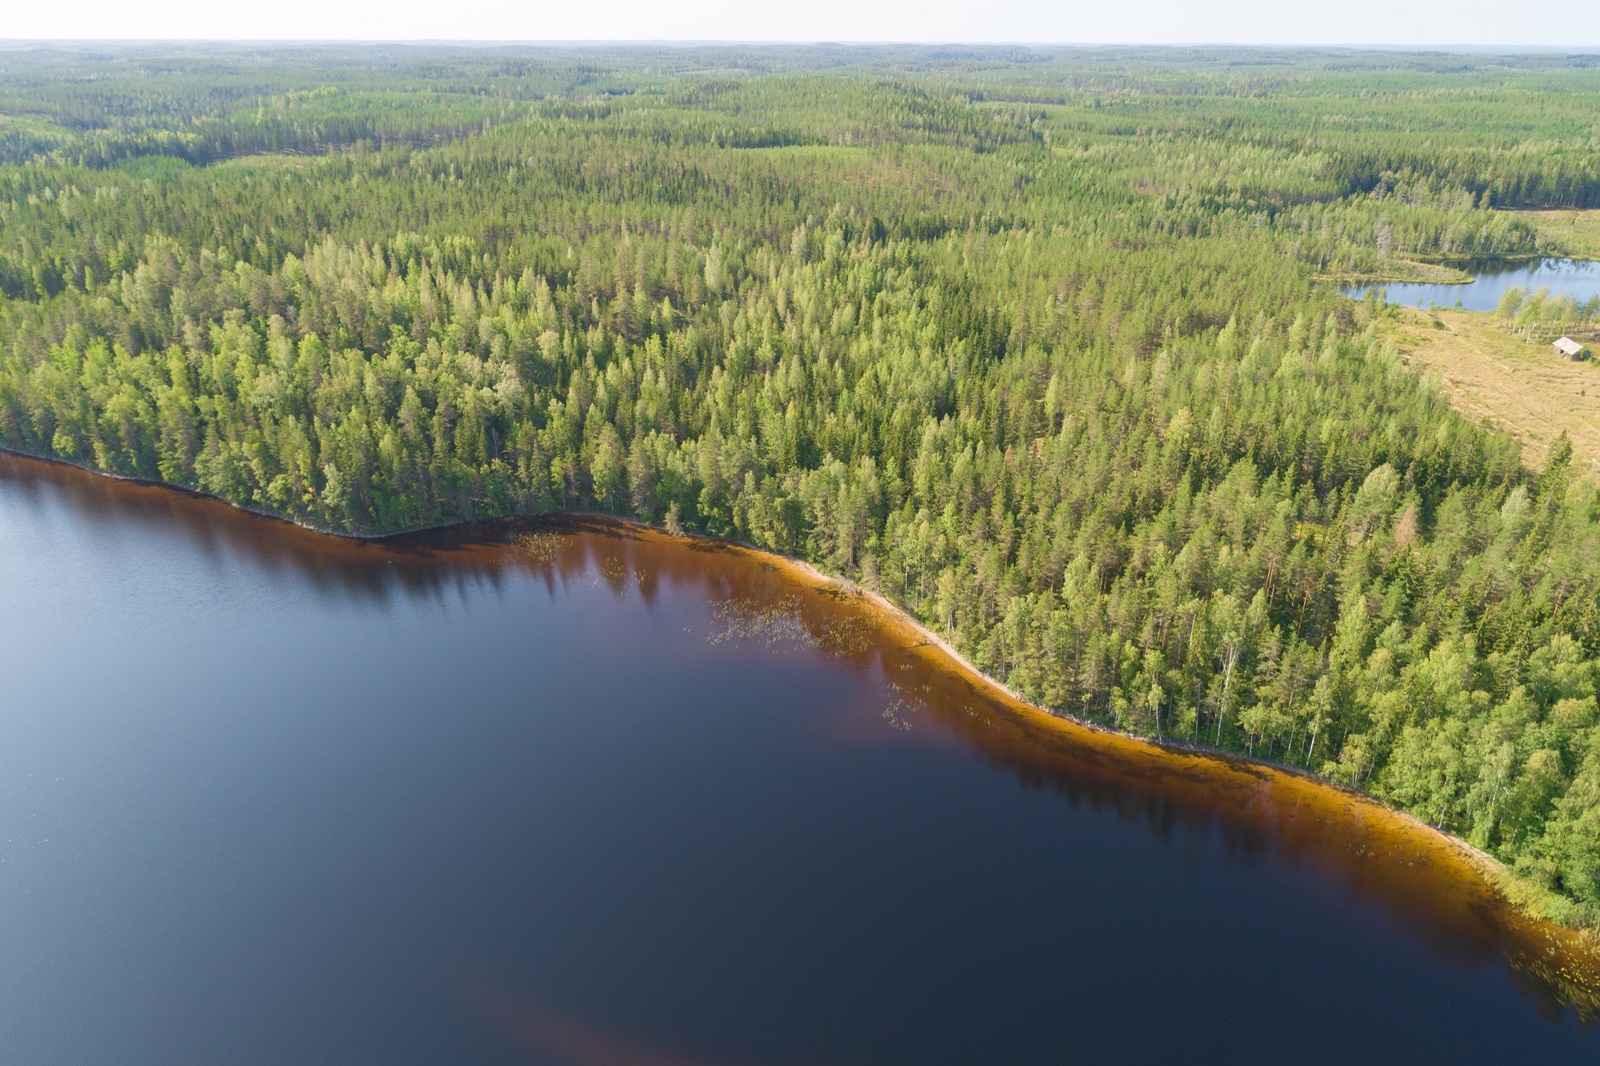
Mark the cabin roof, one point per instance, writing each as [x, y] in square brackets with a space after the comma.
[1568, 346]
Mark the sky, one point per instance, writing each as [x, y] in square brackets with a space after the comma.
[1498, 23]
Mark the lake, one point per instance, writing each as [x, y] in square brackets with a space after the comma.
[578, 793]
[1562, 277]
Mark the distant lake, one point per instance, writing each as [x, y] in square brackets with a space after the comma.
[1576, 278]
[580, 794]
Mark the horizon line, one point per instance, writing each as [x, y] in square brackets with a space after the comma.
[689, 42]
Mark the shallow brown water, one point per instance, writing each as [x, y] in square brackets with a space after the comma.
[576, 792]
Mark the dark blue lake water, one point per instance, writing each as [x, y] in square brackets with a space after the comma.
[613, 800]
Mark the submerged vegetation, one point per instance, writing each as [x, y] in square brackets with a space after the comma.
[1034, 343]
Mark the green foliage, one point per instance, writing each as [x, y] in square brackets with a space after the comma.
[1033, 344]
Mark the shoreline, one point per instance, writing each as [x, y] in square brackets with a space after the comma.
[1519, 896]
[202, 494]
[1494, 872]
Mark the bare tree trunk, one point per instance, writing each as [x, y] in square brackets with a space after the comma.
[1227, 682]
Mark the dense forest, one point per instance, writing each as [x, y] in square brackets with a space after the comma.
[1043, 345]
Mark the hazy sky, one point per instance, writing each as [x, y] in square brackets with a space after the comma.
[1568, 23]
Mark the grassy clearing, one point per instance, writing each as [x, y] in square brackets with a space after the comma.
[276, 160]
[1576, 232]
[1521, 387]
[1405, 270]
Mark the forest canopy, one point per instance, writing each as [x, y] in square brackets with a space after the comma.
[1044, 345]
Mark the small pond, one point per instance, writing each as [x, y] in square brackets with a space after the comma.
[1576, 278]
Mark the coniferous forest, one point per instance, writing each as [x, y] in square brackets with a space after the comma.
[1044, 345]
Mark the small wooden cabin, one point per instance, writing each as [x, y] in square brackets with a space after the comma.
[1568, 348]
